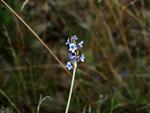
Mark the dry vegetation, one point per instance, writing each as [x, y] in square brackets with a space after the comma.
[115, 76]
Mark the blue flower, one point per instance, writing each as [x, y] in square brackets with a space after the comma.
[72, 47]
[69, 66]
[68, 42]
[80, 44]
[97, 78]
[76, 38]
[125, 73]
[114, 90]
[71, 56]
[74, 55]
[82, 58]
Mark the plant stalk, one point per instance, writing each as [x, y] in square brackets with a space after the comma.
[71, 88]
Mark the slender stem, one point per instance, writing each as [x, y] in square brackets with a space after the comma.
[112, 104]
[10, 101]
[71, 88]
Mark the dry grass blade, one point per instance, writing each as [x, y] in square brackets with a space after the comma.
[10, 101]
[20, 72]
[90, 100]
[122, 31]
[130, 13]
[24, 4]
[105, 38]
[129, 4]
[41, 101]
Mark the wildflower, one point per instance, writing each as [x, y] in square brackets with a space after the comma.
[72, 47]
[68, 42]
[80, 44]
[74, 59]
[82, 58]
[74, 53]
[69, 66]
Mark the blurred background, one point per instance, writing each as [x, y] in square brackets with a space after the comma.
[116, 71]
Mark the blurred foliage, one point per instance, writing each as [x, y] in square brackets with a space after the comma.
[116, 38]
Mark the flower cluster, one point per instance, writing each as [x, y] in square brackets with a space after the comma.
[74, 52]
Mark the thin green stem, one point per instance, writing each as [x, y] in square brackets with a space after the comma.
[112, 104]
[71, 88]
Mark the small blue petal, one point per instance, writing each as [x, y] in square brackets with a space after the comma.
[125, 73]
[69, 66]
[82, 58]
[71, 56]
[68, 42]
[97, 78]
[80, 44]
[72, 47]
[114, 90]
[76, 38]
